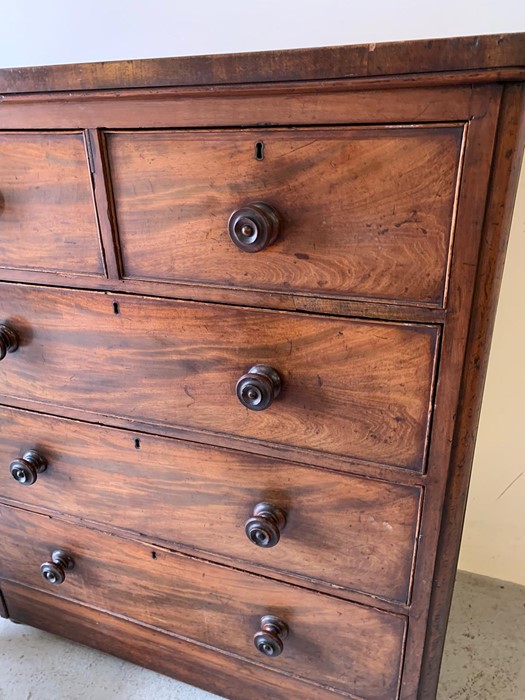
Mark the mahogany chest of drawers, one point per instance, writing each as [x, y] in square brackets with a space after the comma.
[245, 310]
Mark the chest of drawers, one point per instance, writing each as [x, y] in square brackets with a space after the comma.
[245, 309]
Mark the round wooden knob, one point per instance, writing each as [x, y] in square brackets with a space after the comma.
[269, 641]
[54, 571]
[25, 469]
[8, 340]
[265, 525]
[258, 388]
[254, 227]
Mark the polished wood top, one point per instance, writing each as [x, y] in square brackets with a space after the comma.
[497, 56]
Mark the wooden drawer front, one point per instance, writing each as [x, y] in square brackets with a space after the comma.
[47, 215]
[331, 642]
[354, 388]
[366, 212]
[203, 666]
[355, 533]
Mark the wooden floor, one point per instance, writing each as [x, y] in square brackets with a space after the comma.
[484, 657]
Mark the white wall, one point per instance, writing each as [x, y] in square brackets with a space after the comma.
[494, 535]
[61, 31]
[56, 31]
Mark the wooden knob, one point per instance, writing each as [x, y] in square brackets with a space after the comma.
[254, 227]
[8, 340]
[54, 571]
[25, 469]
[258, 388]
[265, 525]
[269, 641]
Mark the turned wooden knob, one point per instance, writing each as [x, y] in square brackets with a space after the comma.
[265, 525]
[269, 640]
[54, 571]
[25, 469]
[254, 226]
[8, 340]
[258, 388]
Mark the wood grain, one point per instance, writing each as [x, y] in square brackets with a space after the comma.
[353, 388]
[509, 149]
[471, 212]
[354, 533]
[47, 218]
[242, 106]
[102, 199]
[367, 420]
[325, 63]
[220, 295]
[175, 190]
[212, 605]
[201, 666]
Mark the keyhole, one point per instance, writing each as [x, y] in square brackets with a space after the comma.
[259, 150]
[116, 309]
[137, 443]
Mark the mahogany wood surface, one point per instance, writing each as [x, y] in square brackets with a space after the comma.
[366, 324]
[355, 533]
[351, 388]
[399, 475]
[485, 53]
[509, 149]
[175, 190]
[282, 301]
[470, 220]
[47, 220]
[211, 604]
[242, 106]
[148, 646]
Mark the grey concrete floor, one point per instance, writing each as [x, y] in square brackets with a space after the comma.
[484, 657]
[485, 647]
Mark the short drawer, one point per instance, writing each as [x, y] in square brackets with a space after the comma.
[47, 215]
[357, 389]
[331, 642]
[338, 529]
[364, 212]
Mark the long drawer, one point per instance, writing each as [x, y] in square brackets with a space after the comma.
[360, 212]
[354, 388]
[149, 647]
[352, 532]
[330, 642]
